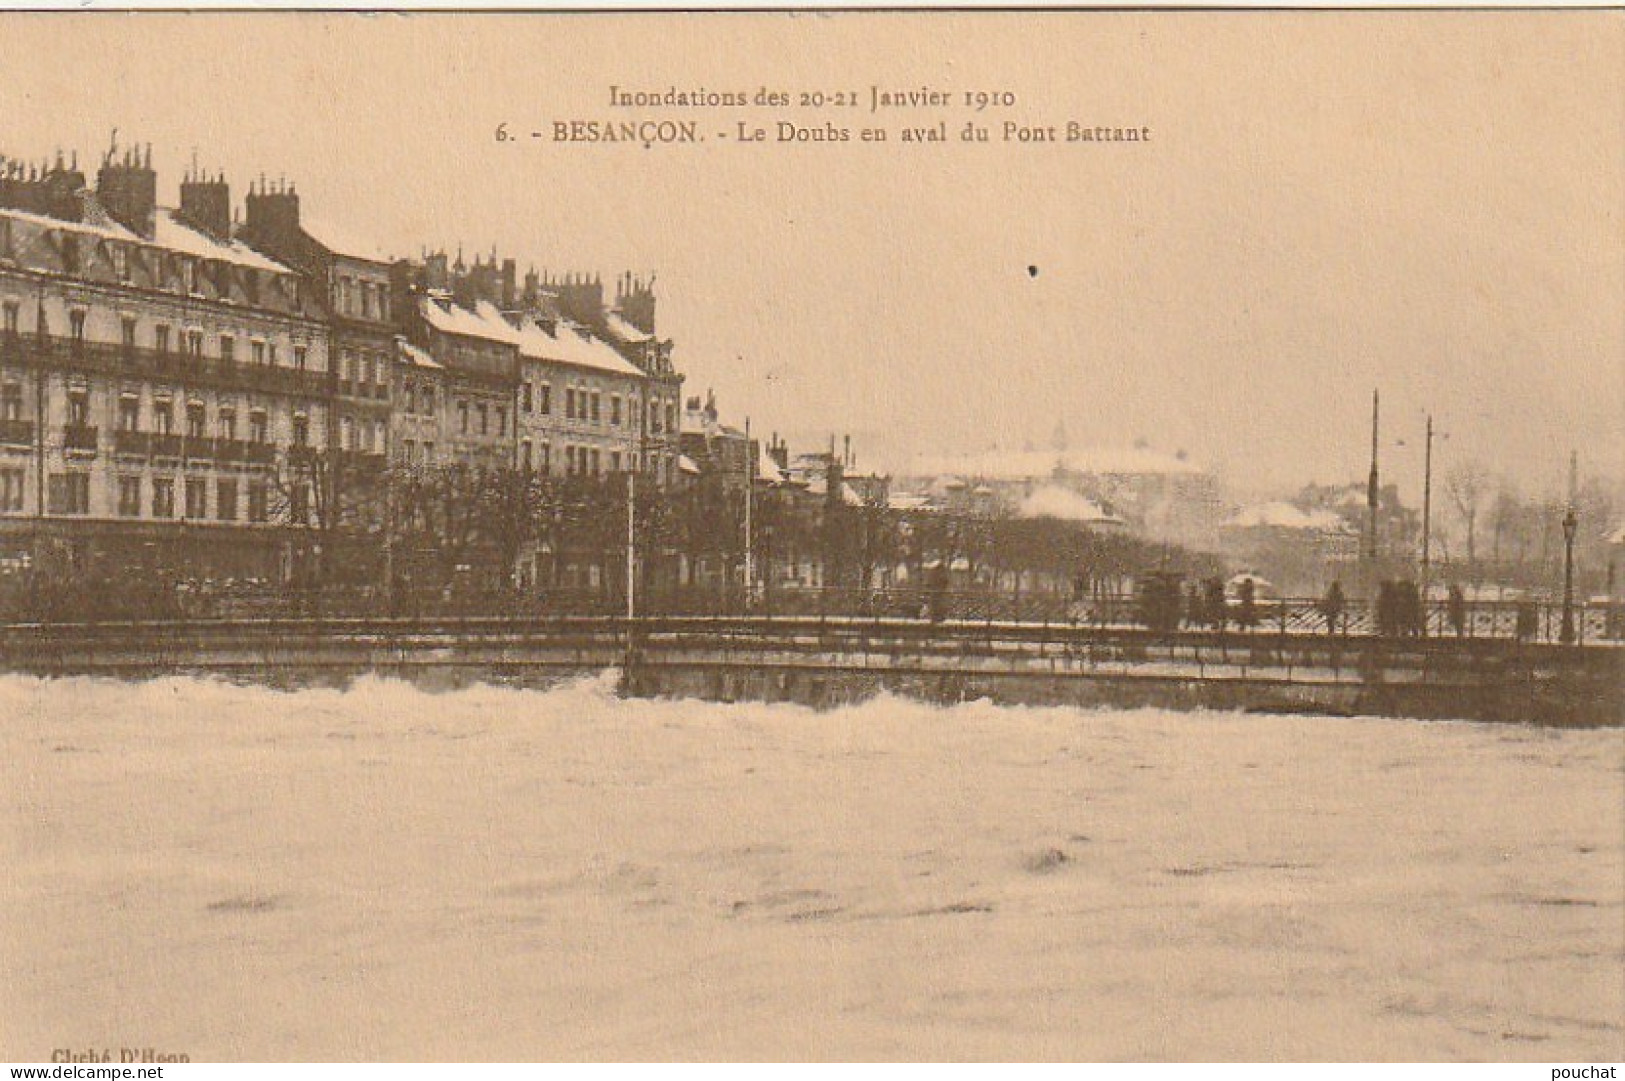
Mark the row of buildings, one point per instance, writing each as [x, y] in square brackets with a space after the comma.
[168, 374]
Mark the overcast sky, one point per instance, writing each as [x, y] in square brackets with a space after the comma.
[1429, 203]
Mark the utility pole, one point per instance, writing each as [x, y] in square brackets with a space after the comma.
[631, 541]
[1571, 524]
[750, 492]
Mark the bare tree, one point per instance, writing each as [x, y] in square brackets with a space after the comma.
[1468, 484]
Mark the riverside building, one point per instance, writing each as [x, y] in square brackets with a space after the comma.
[156, 375]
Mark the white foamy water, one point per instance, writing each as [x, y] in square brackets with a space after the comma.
[386, 873]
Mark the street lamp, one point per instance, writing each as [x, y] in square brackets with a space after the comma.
[1571, 523]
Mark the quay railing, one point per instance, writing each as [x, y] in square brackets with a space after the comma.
[195, 601]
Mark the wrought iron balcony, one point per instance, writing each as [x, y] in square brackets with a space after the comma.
[130, 442]
[17, 433]
[80, 437]
[187, 370]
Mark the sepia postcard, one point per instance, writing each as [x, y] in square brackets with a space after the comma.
[910, 536]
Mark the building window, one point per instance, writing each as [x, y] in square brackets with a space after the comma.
[595, 461]
[257, 351]
[197, 497]
[121, 262]
[160, 340]
[11, 402]
[76, 325]
[128, 325]
[547, 458]
[258, 429]
[526, 402]
[299, 354]
[69, 493]
[129, 413]
[347, 433]
[462, 417]
[595, 403]
[671, 416]
[12, 312]
[78, 408]
[195, 420]
[228, 348]
[428, 452]
[259, 504]
[299, 504]
[301, 430]
[70, 254]
[194, 343]
[409, 450]
[547, 399]
[225, 502]
[615, 410]
[409, 396]
[502, 421]
[270, 354]
[524, 455]
[569, 403]
[485, 418]
[129, 497]
[11, 489]
[614, 461]
[428, 401]
[163, 417]
[226, 424]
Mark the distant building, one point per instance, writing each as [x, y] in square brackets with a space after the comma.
[1153, 494]
[1300, 551]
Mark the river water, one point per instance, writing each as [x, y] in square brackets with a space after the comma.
[384, 872]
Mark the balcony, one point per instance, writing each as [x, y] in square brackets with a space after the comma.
[198, 448]
[81, 438]
[132, 442]
[361, 461]
[165, 445]
[187, 370]
[259, 453]
[17, 433]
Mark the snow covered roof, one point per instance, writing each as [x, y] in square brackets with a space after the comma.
[483, 321]
[1054, 501]
[766, 468]
[108, 231]
[1022, 464]
[849, 495]
[168, 232]
[624, 331]
[1281, 515]
[415, 356]
[337, 240]
[172, 233]
[571, 345]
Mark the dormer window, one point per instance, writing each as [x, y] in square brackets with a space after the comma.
[121, 262]
[76, 325]
[70, 254]
[188, 276]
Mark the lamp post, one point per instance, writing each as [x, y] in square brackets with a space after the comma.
[1571, 523]
[1427, 512]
